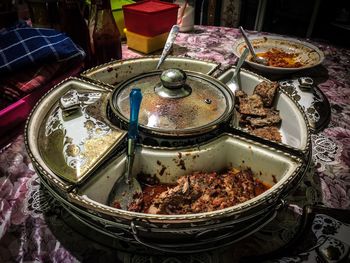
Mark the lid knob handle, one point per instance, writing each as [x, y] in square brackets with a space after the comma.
[173, 84]
[70, 103]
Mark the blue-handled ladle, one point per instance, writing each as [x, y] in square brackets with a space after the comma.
[126, 188]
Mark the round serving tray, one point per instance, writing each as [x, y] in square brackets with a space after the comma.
[86, 196]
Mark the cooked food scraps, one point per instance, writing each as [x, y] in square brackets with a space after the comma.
[279, 58]
[199, 192]
[269, 133]
[256, 112]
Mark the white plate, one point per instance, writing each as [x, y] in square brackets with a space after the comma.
[307, 54]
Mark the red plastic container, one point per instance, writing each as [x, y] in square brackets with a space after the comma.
[150, 18]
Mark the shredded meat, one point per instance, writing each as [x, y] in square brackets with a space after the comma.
[204, 192]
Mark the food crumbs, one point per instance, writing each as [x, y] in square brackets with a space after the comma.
[162, 170]
[274, 179]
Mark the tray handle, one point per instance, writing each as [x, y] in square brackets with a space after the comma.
[307, 217]
[203, 245]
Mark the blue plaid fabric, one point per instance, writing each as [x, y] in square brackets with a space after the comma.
[25, 46]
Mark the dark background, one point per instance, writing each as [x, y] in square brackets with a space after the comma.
[292, 17]
[289, 17]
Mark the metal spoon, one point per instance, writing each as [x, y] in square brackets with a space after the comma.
[168, 44]
[257, 59]
[126, 187]
[233, 83]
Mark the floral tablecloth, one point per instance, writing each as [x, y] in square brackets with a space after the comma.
[31, 225]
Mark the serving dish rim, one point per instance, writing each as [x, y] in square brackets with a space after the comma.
[268, 196]
[279, 70]
[85, 74]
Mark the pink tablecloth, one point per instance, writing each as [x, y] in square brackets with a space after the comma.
[31, 229]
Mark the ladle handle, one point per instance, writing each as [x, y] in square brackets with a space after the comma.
[249, 45]
[169, 42]
[135, 102]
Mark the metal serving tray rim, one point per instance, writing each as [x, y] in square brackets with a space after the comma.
[85, 74]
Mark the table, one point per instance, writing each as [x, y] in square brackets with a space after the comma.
[31, 225]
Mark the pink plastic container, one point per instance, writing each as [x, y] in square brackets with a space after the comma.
[17, 113]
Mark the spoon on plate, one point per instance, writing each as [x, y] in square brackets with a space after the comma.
[168, 44]
[233, 83]
[127, 186]
[255, 58]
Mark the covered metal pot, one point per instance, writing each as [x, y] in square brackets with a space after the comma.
[182, 107]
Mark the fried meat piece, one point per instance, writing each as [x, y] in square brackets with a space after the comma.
[270, 133]
[252, 105]
[255, 112]
[242, 119]
[267, 91]
[272, 118]
[240, 94]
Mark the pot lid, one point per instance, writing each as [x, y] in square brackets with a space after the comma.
[314, 103]
[175, 100]
[74, 137]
